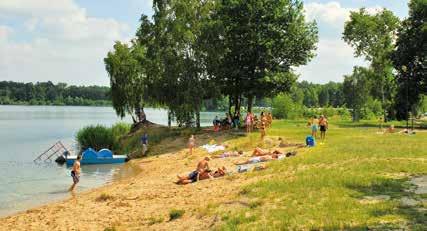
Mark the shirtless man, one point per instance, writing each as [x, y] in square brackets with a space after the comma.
[202, 167]
[75, 173]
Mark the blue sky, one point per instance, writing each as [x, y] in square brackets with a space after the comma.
[66, 40]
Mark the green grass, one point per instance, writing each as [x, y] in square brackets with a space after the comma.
[325, 186]
[175, 214]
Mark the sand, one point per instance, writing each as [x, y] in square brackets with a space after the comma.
[142, 202]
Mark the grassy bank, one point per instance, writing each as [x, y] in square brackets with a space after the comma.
[334, 186]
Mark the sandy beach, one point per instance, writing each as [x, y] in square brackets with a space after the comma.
[143, 202]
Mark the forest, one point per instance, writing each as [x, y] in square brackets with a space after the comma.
[47, 93]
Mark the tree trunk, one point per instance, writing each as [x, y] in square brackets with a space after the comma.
[198, 119]
[143, 118]
[250, 102]
[169, 119]
[229, 104]
[236, 103]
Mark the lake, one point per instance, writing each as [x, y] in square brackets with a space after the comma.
[27, 131]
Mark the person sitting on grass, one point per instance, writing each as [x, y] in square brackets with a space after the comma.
[229, 154]
[202, 166]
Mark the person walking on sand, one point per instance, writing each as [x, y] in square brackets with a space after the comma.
[75, 173]
[191, 144]
[323, 123]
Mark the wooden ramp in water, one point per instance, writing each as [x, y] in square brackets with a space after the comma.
[52, 153]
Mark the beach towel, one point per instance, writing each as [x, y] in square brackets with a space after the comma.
[210, 148]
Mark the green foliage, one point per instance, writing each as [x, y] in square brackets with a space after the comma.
[47, 93]
[99, 137]
[250, 41]
[175, 214]
[285, 108]
[372, 36]
[96, 137]
[110, 229]
[356, 90]
[125, 69]
[409, 59]
[155, 220]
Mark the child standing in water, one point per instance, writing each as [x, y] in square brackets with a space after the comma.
[191, 144]
[75, 173]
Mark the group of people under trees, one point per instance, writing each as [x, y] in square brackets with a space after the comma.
[251, 122]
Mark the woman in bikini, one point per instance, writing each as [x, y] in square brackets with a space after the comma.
[248, 122]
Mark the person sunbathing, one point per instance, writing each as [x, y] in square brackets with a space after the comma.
[220, 172]
[273, 156]
[229, 154]
[261, 152]
[258, 159]
[202, 166]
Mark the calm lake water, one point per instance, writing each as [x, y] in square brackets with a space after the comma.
[26, 131]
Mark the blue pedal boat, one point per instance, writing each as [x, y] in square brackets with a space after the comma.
[104, 156]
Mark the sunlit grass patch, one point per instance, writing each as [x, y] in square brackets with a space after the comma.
[331, 186]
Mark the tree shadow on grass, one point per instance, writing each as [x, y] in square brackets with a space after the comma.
[400, 191]
[421, 126]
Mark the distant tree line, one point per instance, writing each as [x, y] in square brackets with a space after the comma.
[47, 93]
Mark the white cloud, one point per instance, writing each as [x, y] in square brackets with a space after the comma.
[65, 44]
[332, 13]
[334, 57]
[334, 60]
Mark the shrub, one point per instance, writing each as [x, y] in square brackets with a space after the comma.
[96, 137]
[104, 197]
[285, 108]
[119, 130]
[154, 220]
[99, 136]
[175, 214]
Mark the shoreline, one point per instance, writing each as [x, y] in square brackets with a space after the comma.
[123, 174]
[148, 195]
